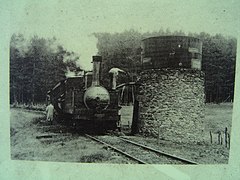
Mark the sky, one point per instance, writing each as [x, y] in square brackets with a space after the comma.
[73, 22]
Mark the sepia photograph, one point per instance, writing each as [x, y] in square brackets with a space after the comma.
[122, 83]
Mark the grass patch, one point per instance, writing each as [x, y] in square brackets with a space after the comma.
[36, 107]
[99, 156]
[218, 116]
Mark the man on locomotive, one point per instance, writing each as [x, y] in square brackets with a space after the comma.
[113, 76]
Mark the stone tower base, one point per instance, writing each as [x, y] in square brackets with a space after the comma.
[171, 101]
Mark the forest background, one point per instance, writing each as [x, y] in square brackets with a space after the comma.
[37, 64]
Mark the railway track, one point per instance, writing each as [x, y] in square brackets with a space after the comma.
[134, 151]
[116, 149]
[160, 152]
[140, 153]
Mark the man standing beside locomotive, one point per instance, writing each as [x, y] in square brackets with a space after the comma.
[50, 111]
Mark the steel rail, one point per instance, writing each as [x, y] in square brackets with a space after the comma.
[116, 149]
[159, 152]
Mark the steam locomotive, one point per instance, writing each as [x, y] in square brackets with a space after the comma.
[83, 102]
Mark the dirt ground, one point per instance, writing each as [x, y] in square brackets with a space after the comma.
[27, 127]
[27, 144]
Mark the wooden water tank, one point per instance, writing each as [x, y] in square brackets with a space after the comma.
[171, 52]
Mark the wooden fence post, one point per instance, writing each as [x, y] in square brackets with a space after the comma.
[211, 137]
[158, 139]
[226, 137]
[219, 133]
[228, 140]
[221, 138]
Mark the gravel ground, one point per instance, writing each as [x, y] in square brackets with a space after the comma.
[200, 153]
[138, 152]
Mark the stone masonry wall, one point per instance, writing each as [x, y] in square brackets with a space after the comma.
[172, 102]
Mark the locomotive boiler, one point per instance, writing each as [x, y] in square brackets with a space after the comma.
[84, 103]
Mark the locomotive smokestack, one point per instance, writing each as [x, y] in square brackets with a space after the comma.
[96, 70]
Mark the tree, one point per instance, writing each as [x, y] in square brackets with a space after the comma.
[18, 49]
[36, 66]
[123, 50]
[218, 63]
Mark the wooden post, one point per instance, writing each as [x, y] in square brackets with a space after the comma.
[133, 98]
[211, 137]
[219, 133]
[136, 111]
[228, 140]
[158, 139]
[135, 119]
[226, 137]
[221, 138]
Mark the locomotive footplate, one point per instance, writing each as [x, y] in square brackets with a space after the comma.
[89, 115]
[98, 117]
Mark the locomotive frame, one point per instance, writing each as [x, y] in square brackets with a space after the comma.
[68, 99]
